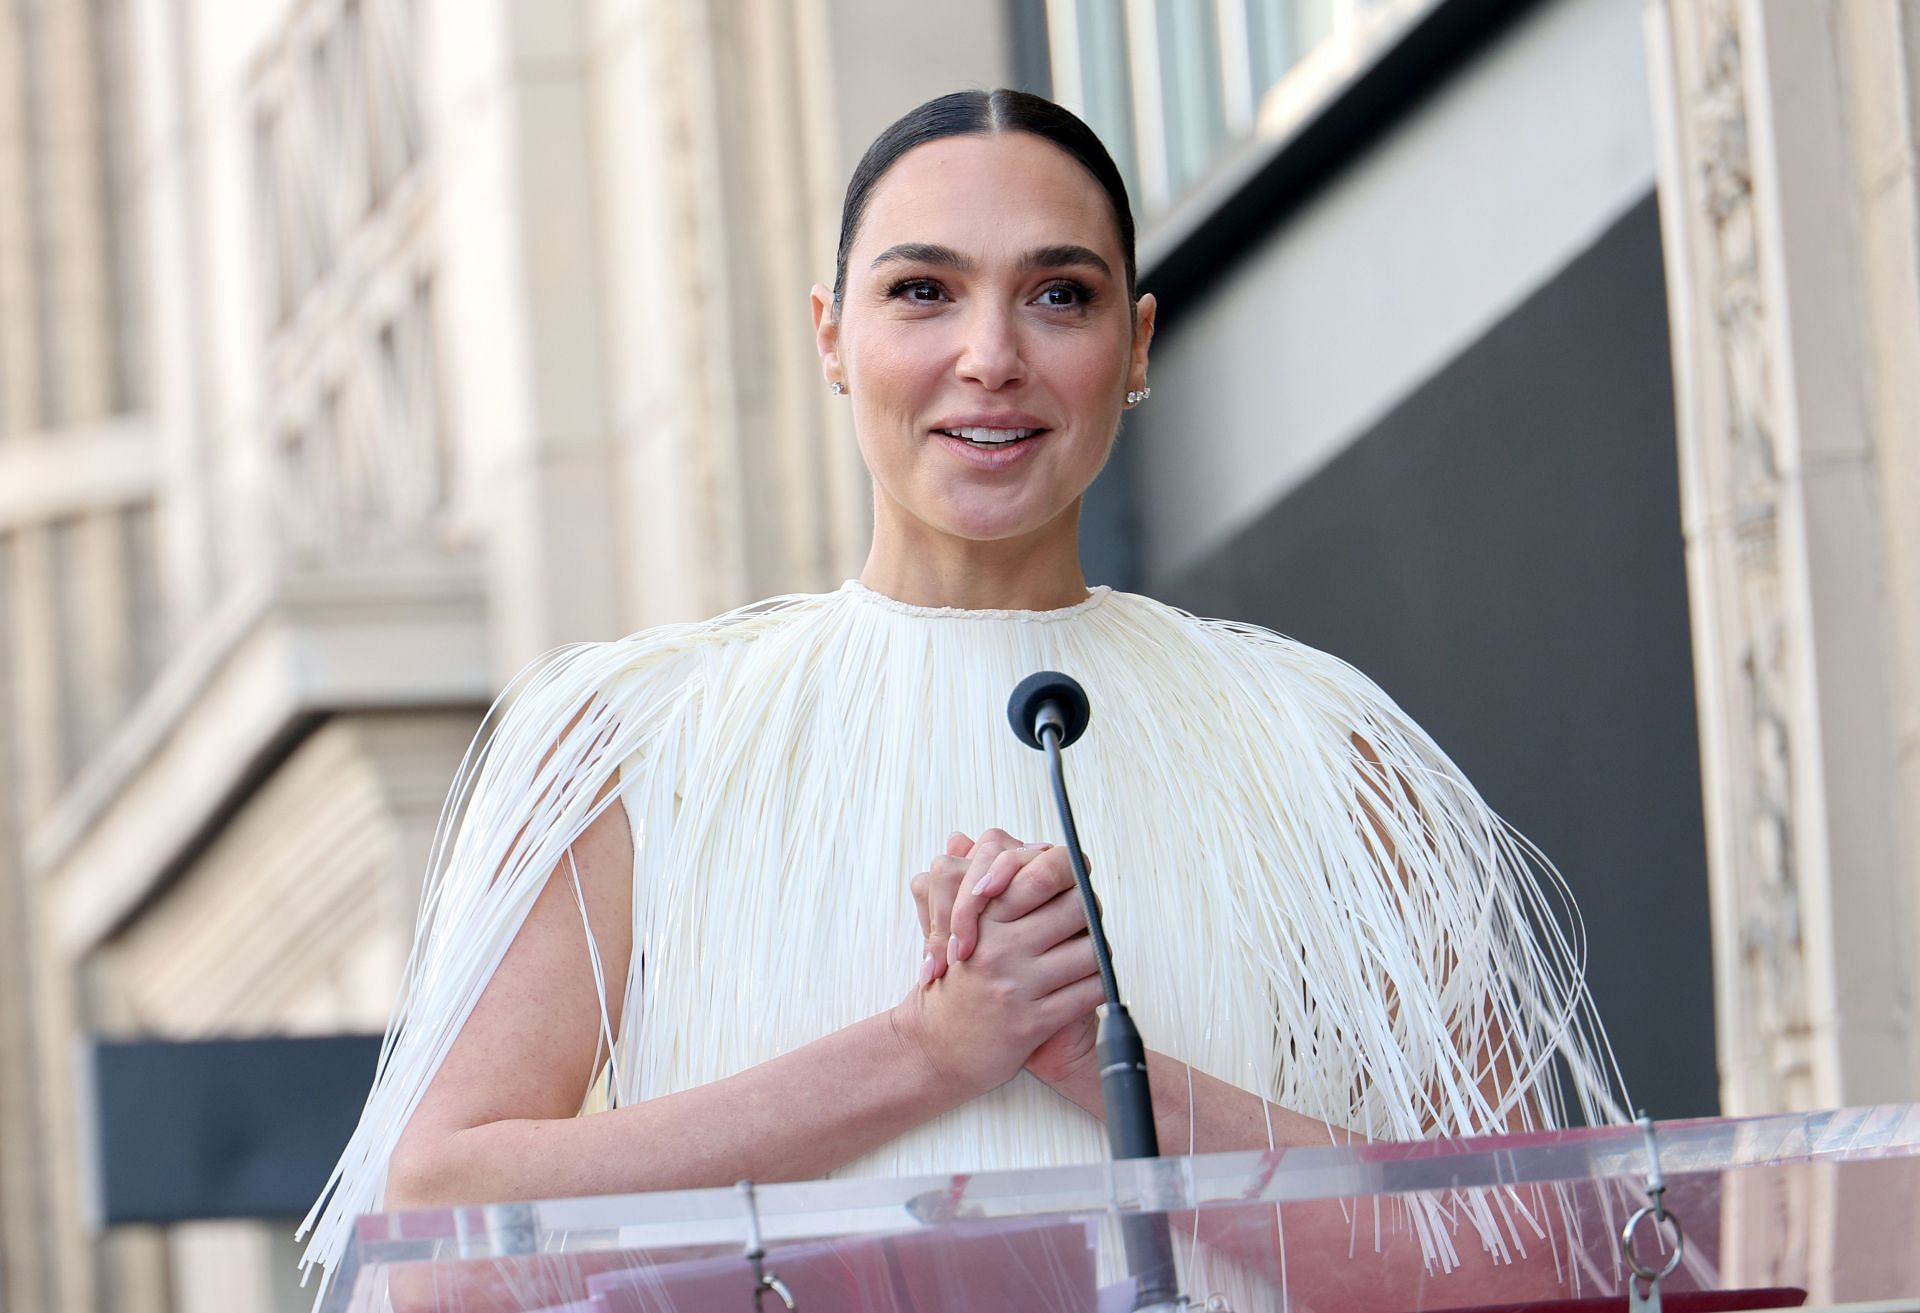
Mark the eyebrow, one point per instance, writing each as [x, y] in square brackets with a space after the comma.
[1042, 257]
[923, 253]
[1057, 257]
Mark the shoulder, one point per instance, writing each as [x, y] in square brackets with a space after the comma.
[1275, 682]
[1243, 647]
[645, 673]
[662, 648]
[744, 624]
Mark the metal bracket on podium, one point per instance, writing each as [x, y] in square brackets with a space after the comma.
[763, 1280]
[1649, 1302]
[505, 1229]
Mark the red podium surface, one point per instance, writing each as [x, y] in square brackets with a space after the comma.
[1818, 1209]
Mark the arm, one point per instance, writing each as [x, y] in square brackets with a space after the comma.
[1387, 793]
[1198, 1113]
[999, 879]
[1330, 1260]
[499, 1120]
[1207, 1116]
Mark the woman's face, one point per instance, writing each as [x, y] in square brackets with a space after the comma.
[985, 337]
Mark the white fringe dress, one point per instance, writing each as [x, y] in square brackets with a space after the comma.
[1304, 896]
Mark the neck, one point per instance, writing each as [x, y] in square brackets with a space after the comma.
[1039, 572]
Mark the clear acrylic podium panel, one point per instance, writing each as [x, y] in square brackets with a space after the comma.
[1819, 1209]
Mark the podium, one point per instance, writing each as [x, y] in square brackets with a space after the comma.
[1818, 1210]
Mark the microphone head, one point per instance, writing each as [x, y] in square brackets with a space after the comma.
[1033, 693]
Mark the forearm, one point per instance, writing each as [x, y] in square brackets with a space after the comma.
[794, 1117]
[1197, 1113]
[1332, 1257]
[1324, 1265]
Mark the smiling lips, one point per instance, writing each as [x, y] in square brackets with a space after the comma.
[990, 448]
[991, 441]
[981, 436]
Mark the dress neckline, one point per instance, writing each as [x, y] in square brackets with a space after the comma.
[1095, 596]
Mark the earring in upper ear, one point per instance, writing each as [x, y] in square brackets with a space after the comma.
[1138, 395]
[838, 388]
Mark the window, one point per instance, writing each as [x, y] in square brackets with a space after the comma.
[1170, 85]
[350, 391]
[337, 129]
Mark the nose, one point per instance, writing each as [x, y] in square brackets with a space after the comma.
[991, 355]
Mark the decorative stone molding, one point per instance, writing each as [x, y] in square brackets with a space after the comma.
[1730, 472]
[1754, 112]
[1770, 942]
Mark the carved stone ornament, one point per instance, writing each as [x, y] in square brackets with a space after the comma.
[1761, 646]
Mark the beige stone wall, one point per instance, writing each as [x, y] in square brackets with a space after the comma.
[1788, 199]
[351, 354]
[74, 506]
[1881, 49]
[325, 404]
[294, 918]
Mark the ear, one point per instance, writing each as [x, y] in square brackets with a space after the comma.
[1145, 311]
[826, 334]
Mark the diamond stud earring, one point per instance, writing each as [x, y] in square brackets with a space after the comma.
[838, 388]
[1138, 395]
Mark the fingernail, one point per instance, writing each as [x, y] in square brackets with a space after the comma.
[926, 970]
[953, 948]
[980, 885]
[1029, 849]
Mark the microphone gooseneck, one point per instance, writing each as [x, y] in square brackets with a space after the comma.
[1048, 711]
[1051, 735]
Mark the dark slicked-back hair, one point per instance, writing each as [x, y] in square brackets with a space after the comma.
[977, 114]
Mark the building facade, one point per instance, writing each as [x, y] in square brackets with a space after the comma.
[1421, 415]
[1548, 358]
[356, 351]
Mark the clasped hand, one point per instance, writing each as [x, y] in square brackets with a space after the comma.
[1009, 978]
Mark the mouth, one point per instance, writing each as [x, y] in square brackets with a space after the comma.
[988, 439]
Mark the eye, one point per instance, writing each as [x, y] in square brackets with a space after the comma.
[917, 291]
[1066, 294]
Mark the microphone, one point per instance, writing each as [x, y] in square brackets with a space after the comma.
[1049, 698]
[1049, 711]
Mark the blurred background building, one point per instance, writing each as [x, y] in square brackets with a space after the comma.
[1556, 361]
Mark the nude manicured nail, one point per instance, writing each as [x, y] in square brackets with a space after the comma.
[953, 948]
[926, 970]
[980, 885]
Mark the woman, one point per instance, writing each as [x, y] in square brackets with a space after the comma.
[777, 879]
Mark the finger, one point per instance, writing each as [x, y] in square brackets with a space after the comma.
[998, 837]
[967, 904]
[1056, 921]
[989, 846]
[1065, 963]
[1069, 1002]
[927, 962]
[958, 844]
[919, 886]
[943, 883]
[1033, 934]
[1002, 870]
[1041, 880]
[947, 868]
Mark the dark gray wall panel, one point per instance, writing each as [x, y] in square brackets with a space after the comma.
[1502, 554]
[187, 1130]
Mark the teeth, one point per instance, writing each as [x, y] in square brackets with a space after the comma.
[991, 437]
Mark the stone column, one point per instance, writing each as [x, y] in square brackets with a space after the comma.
[20, 344]
[26, 1272]
[1787, 198]
[725, 135]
